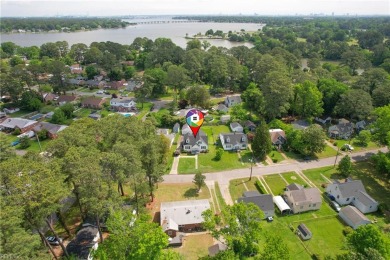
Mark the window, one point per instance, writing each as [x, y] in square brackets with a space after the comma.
[188, 147]
[169, 232]
[301, 207]
[228, 146]
[314, 204]
[338, 196]
[203, 147]
[347, 199]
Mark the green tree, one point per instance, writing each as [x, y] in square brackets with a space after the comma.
[93, 55]
[198, 96]
[177, 77]
[91, 71]
[199, 180]
[25, 142]
[9, 48]
[59, 71]
[194, 44]
[68, 109]
[313, 140]
[372, 79]
[353, 59]
[345, 166]
[381, 95]
[129, 72]
[307, 100]
[58, 117]
[242, 229]
[254, 99]
[132, 238]
[218, 154]
[369, 236]
[238, 112]
[275, 249]
[331, 92]
[6, 151]
[364, 137]
[381, 126]
[354, 103]
[77, 52]
[261, 144]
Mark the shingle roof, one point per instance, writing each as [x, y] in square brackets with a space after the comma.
[17, 122]
[236, 99]
[263, 201]
[350, 188]
[66, 98]
[52, 128]
[353, 214]
[184, 212]
[308, 194]
[122, 100]
[234, 138]
[189, 138]
[234, 125]
[294, 186]
[277, 134]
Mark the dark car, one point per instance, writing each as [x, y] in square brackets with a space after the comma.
[53, 241]
[335, 206]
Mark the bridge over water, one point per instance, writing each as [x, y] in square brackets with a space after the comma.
[168, 21]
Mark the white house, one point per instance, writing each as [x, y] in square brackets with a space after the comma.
[353, 192]
[196, 144]
[236, 127]
[122, 104]
[302, 199]
[233, 141]
[353, 217]
[232, 100]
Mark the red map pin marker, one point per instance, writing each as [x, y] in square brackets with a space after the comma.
[194, 120]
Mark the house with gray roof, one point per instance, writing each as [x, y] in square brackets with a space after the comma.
[263, 201]
[186, 129]
[232, 100]
[353, 192]
[353, 217]
[215, 249]
[195, 145]
[225, 118]
[278, 137]
[52, 129]
[222, 108]
[176, 128]
[301, 199]
[233, 141]
[250, 126]
[236, 127]
[11, 124]
[182, 216]
[123, 104]
[343, 130]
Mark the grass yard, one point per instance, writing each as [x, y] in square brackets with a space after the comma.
[292, 155]
[186, 166]
[275, 155]
[328, 238]
[82, 112]
[221, 200]
[317, 175]
[276, 183]
[87, 90]
[292, 177]
[20, 113]
[176, 192]
[35, 145]
[238, 186]
[357, 147]
[143, 111]
[229, 160]
[328, 152]
[195, 246]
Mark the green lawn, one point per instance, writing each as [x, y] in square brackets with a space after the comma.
[143, 111]
[195, 246]
[237, 187]
[176, 192]
[35, 145]
[82, 112]
[316, 175]
[328, 152]
[186, 166]
[87, 90]
[292, 177]
[229, 160]
[328, 238]
[276, 155]
[357, 147]
[292, 155]
[47, 109]
[276, 183]
[20, 113]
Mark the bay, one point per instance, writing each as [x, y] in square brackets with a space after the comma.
[150, 28]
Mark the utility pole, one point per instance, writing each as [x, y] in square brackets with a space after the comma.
[338, 149]
[40, 147]
[250, 176]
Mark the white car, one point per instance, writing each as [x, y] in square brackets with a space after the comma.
[100, 92]
[348, 147]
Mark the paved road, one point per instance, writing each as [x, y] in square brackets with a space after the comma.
[223, 178]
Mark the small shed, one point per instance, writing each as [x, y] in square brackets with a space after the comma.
[215, 249]
[303, 232]
[225, 118]
[176, 128]
[281, 204]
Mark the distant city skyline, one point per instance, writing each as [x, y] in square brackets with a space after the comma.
[31, 8]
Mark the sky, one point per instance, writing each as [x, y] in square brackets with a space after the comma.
[27, 8]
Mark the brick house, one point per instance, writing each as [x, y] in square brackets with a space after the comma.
[93, 102]
[24, 125]
[52, 129]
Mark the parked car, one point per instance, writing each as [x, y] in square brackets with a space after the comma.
[103, 227]
[53, 241]
[330, 196]
[100, 92]
[348, 147]
[335, 206]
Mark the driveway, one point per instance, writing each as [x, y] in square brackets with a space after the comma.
[223, 178]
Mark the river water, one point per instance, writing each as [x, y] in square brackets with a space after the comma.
[175, 31]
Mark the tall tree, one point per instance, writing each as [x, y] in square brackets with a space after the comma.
[307, 100]
[275, 249]
[242, 229]
[199, 180]
[381, 126]
[198, 96]
[331, 92]
[345, 166]
[261, 144]
[354, 103]
[177, 77]
[254, 99]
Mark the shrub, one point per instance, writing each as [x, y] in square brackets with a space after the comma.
[260, 187]
[25, 142]
[335, 144]
[274, 160]
[347, 231]
[16, 131]
[218, 154]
